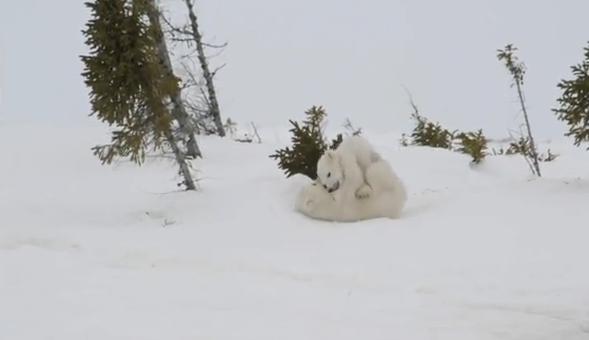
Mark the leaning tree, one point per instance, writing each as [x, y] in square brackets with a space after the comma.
[130, 86]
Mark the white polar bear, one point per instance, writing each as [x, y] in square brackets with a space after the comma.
[387, 199]
[348, 163]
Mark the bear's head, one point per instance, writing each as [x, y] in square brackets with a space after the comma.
[313, 198]
[330, 172]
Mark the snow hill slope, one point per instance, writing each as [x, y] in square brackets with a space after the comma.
[96, 252]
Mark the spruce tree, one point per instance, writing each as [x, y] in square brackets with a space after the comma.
[574, 101]
[129, 85]
[308, 144]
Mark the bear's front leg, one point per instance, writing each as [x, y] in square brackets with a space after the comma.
[364, 191]
[352, 185]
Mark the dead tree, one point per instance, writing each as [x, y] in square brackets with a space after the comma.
[187, 128]
[180, 157]
[195, 100]
[214, 110]
[352, 130]
[256, 134]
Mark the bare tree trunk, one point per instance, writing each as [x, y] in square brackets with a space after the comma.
[530, 136]
[188, 129]
[215, 112]
[181, 160]
[256, 134]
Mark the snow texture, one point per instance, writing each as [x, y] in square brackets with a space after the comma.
[93, 252]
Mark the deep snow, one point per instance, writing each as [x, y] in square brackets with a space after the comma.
[97, 252]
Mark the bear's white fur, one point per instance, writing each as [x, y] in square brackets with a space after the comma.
[387, 198]
[347, 164]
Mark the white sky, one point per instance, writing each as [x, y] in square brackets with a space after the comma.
[353, 57]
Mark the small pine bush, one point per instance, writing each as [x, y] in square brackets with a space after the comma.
[473, 144]
[520, 147]
[523, 147]
[574, 102]
[431, 134]
[427, 133]
[308, 144]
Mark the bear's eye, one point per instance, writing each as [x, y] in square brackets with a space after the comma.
[325, 186]
[328, 174]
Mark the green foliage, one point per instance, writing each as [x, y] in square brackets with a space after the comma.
[517, 70]
[128, 85]
[523, 147]
[308, 144]
[473, 144]
[520, 147]
[512, 63]
[574, 101]
[427, 133]
[431, 134]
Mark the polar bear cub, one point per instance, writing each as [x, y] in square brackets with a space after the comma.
[387, 199]
[347, 163]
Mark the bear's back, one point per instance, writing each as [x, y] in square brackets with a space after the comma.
[360, 149]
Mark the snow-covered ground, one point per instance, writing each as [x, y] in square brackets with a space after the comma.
[97, 252]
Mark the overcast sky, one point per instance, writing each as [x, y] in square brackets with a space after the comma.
[353, 57]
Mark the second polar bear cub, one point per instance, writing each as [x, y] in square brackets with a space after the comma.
[347, 163]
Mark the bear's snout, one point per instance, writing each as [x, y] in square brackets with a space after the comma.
[333, 188]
